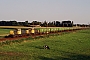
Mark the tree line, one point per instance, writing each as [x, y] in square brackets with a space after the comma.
[42, 24]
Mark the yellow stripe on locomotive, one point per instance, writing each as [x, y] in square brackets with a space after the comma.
[18, 31]
[32, 31]
[11, 32]
[27, 31]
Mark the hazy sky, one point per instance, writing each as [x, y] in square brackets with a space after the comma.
[49, 10]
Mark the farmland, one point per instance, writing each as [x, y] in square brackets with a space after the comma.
[4, 32]
[71, 46]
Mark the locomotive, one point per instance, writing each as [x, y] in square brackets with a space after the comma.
[21, 32]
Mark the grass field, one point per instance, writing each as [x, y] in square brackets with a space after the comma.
[4, 32]
[71, 46]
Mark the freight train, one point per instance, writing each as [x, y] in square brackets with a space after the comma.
[35, 32]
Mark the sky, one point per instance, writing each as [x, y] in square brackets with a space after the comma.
[77, 11]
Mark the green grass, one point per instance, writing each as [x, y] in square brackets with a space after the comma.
[71, 46]
[4, 32]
